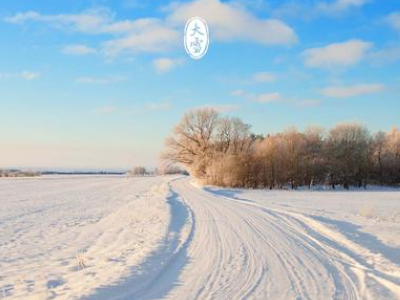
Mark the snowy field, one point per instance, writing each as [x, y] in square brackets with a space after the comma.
[63, 237]
[111, 237]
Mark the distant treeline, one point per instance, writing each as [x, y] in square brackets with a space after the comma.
[223, 151]
[82, 173]
[18, 173]
[163, 170]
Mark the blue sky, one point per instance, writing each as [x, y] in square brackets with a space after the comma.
[99, 84]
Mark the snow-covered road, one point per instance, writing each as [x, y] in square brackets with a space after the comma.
[244, 250]
[116, 238]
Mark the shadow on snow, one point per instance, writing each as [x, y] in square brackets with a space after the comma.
[159, 273]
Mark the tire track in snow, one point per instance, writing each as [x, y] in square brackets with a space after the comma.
[242, 250]
[271, 267]
[156, 275]
[354, 262]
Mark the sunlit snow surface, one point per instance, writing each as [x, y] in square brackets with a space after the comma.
[113, 237]
[62, 237]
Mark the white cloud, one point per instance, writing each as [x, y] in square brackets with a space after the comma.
[336, 55]
[228, 22]
[78, 50]
[23, 75]
[140, 35]
[307, 10]
[264, 77]
[163, 65]
[394, 20]
[353, 91]
[232, 22]
[277, 97]
[152, 37]
[20, 18]
[28, 75]
[260, 98]
[149, 108]
[269, 97]
[91, 21]
[340, 5]
[255, 78]
[100, 80]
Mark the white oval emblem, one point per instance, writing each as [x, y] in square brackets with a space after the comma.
[196, 37]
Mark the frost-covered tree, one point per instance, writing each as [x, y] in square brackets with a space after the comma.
[294, 149]
[138, 171]
[393, 148]
[272, 153]
[313, 159]
[379, 154]
[223, 151]
[348, 154]
[191, 141]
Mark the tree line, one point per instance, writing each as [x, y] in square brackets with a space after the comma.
[161, 170]
[221, 150]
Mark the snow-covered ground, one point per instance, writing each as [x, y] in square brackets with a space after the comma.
[106, 238]
[63, 237]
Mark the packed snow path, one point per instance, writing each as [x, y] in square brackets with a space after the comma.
[242, 250]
